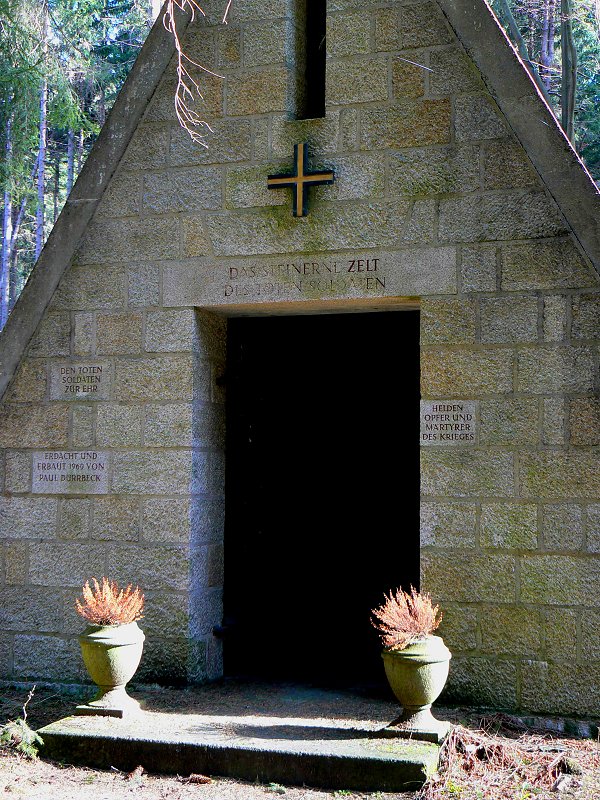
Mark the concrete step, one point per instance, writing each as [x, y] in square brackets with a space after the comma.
[312, 743]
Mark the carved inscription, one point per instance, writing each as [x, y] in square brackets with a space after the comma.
[78, 381]
[308, 278]
[70, 472]
[448, 422]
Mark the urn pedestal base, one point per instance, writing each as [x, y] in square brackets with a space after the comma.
[419, 723]
[110, 702]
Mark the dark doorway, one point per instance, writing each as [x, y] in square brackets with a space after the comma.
[322, 490]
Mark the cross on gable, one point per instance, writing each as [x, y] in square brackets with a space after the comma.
[300, 180]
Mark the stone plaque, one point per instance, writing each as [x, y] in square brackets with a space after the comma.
[448, 422]
[70, 472]
[79, 381]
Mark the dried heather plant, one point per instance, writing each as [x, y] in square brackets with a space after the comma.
[106, 604]
[404, 617]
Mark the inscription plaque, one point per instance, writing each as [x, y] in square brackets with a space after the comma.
[79, 381]
[448, 422]
[70, 472]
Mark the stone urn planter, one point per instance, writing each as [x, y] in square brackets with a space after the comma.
[417, 674]
[416, 662]
[111, 654]
[111, 645]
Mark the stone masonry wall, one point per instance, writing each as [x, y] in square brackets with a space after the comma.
[432, 188]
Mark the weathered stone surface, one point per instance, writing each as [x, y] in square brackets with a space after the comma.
[208, 519]
[509, 319]
[478, 269]
[52, 337]
[584, 418]
[122, 197]
[422, 221]
[29, 383]
[40, 610]
[476, 117]
[551, 687]
[408, 79]
[557, 369]
[83, 336]
[361, 81]
[429, 170]
[409, 26]
[511, 526]
[160, 378]
[48, 658]
[166, 660]
[65, 563]
[129, 240]
[119, 425]
[562, 527]
[148, 147]
[143, 285]
[16, 563]
[82, 427]
[273, 230]
[34, 425]
[166, 472]
[208, 425]
[170, 331]
[555, 318]
[231, 140]
[166, 612]
[258, 91]
[164, 567]
[553, 420]
[498, 216]
[321, 135]
[247, 187]
[349, 118]
[509, 421]
[488, 577]
[116, 518]
[453, 72]
[118, 333]
[362, 175]
[590, 644]
[560, 475]
[459, 627]
[555, 264]
[586, 316]
[510, 631]
[482, 681]
[451, 373]
[166, 520]
[565, 581]
[593, 528]
[98, 287]
[447, 321]
[267, 42]
[447, 524]
[409, 123]
[17, 471]
[206, 612]
[560, 632]
[507, 167]
[182, 190]
[75, 518]
[347, 35]
[229, 47]
[169, 426]
[466, 473]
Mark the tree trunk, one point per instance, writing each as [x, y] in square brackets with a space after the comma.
[56, 187]
[43, 134]
[569, 69]
[80, 150]
[70, 159]
[6, 232]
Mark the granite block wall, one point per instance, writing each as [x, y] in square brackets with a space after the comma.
[435, 205]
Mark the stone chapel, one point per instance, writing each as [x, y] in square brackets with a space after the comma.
[351, 344]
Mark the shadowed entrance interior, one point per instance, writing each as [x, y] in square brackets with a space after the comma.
[322, 490]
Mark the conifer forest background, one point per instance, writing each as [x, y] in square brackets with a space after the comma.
[62, 63]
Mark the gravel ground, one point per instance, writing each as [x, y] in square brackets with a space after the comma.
[471, 776]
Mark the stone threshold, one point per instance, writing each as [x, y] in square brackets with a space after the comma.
[283, 733]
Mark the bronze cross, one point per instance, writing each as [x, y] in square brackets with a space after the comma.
[300, 180]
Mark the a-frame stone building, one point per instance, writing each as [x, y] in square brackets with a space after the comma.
[460, 213]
